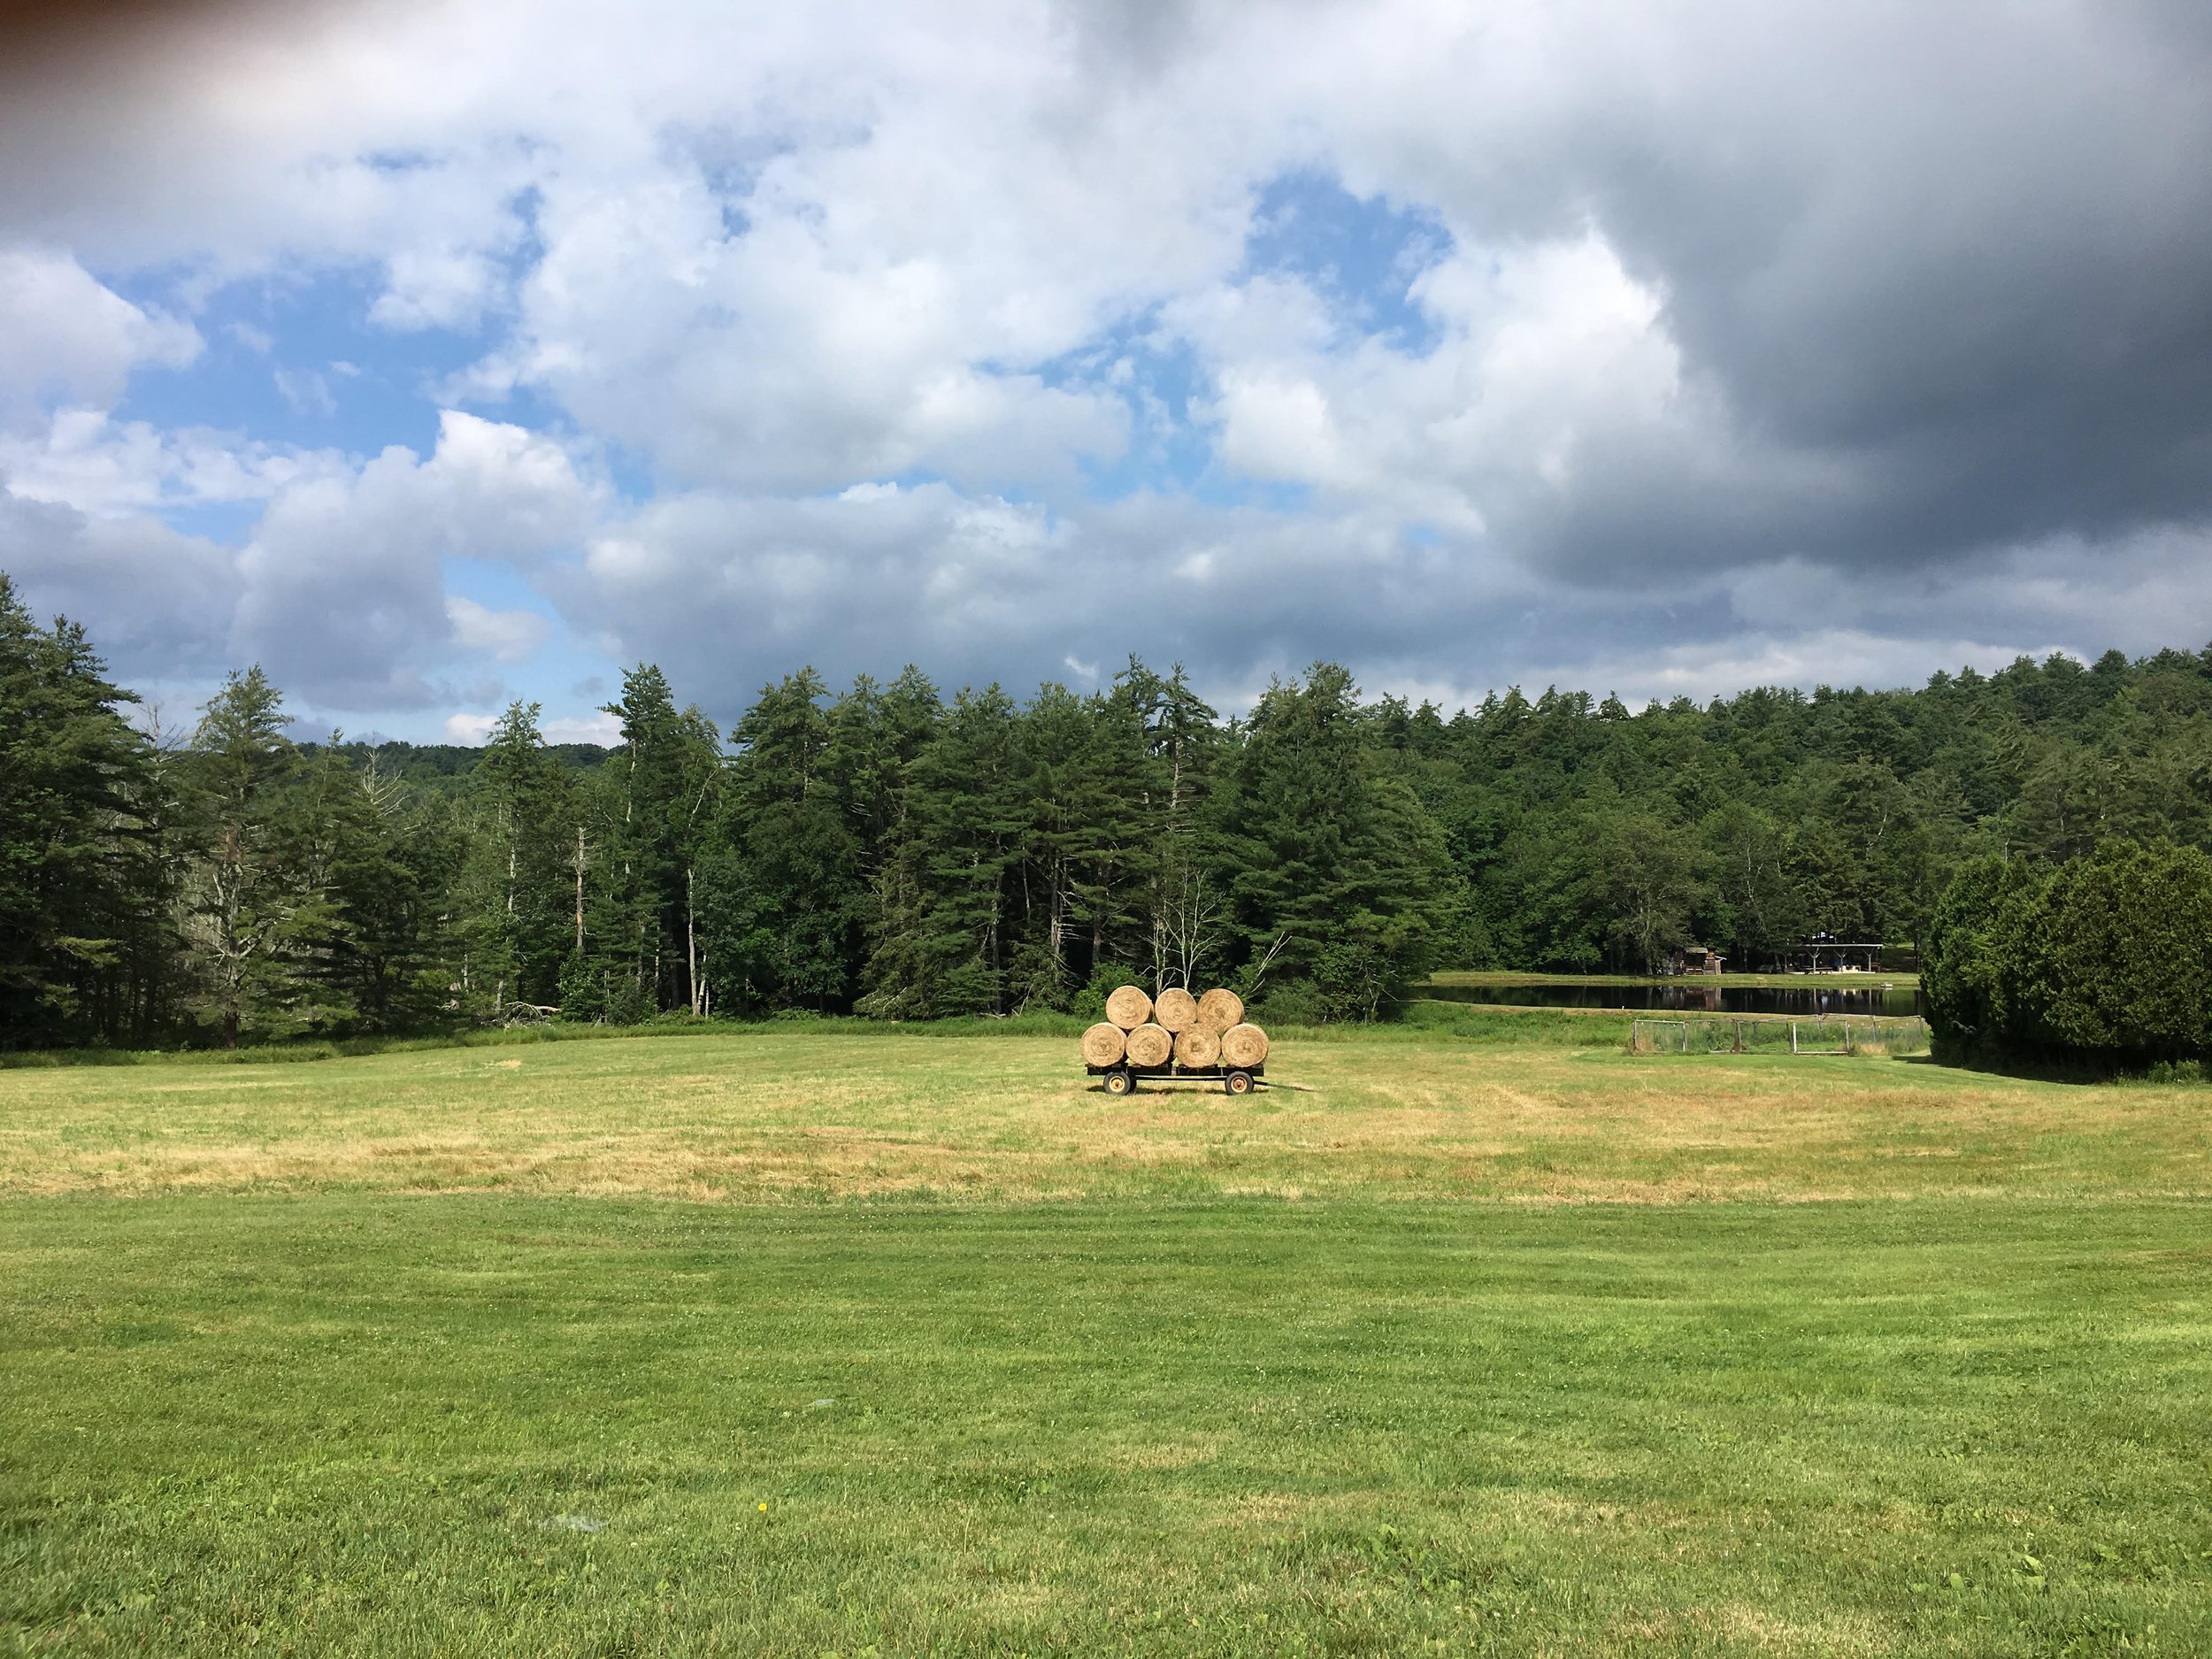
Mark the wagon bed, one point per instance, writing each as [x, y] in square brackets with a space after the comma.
[1233, 1079]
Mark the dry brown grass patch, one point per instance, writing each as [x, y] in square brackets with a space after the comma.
[820, 1115]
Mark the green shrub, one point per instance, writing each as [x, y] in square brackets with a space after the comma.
[1089, 1004]
[1976, 941]
[1299, 1003]
[2107, 960]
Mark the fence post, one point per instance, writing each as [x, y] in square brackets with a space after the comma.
[1792, 1036]
[1738, 1047]
[1685, 1036]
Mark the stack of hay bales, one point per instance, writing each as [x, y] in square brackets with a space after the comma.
[1198, 1032]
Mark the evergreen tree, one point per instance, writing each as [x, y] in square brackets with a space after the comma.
[876, 735]
[2120, 960]
[638, 874]
[247, 918]
[948, 885]
[785, 885]
[1068, 810]
[1130, 844]
[878, 740]
[1337, 878]
[391, 953]
[2107, 960]
[82, 886]
[518, 823]
[1154, 820]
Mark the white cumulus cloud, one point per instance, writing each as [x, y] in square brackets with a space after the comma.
[1630, 342]
[68, 338]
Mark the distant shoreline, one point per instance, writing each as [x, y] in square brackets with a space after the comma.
[1842, 981]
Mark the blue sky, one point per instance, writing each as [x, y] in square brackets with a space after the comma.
[443, 355]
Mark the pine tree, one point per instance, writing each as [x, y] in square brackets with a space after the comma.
[654, 802]
[1065, 808]
[876, 734]
[82, 886]
[945, 945]
[1339, 878]
[387, 951]
[246, 918]
[518, 822]
[1184, 900]
[786, 888]
[878, 740]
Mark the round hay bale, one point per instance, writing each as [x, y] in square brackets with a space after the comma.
[1243, 1047]
[1103, 1044]
[1197, 1046]
[1176, 1009]
[1219, 1009]
[1129, 1007]
[1150, 1045]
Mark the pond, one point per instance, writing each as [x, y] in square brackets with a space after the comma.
[1690, 996]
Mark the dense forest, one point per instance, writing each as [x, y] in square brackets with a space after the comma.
[892, 851]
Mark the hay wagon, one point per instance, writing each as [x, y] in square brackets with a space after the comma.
[1179, 1039]
[1122, 1079]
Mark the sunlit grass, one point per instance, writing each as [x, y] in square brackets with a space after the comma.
[1463, 1345]
[785, 1116]
[521, 1427]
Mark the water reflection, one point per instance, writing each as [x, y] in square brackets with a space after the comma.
[1687, 996]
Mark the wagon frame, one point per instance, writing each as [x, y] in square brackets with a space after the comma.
[1233, 1079]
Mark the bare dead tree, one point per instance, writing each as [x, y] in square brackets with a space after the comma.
[1186, 924]
[168, 736]
[582, 865]
[1259, 972]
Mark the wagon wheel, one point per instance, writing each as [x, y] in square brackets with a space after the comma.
[1119, 1082]
[1238, 1083]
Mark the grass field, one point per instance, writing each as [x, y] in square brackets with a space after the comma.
[1488, 1338]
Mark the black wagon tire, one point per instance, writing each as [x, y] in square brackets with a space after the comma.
[1238, 1083]
[1119, 1082]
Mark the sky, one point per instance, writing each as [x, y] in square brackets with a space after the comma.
[433, 354]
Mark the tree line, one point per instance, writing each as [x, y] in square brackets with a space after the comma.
[888, 850]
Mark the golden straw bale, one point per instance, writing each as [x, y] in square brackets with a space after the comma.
[1176, 1009]
[1219, 1009]
[1243, 1047]
[1197, 1046]
[1129, 1007]
[1103, 1044]
[1150, 1045]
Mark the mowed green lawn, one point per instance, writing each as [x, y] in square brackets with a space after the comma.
[803, 1343]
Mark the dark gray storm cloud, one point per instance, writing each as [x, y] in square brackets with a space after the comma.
[1959, 259]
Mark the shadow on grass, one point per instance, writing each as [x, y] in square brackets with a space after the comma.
[1419, 1021]
[2076, 1069]
[292, 1051]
